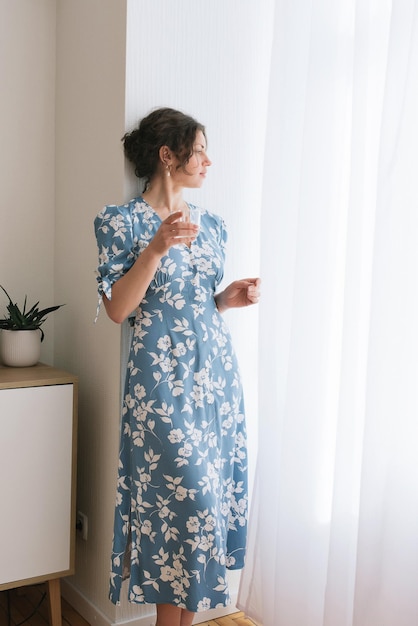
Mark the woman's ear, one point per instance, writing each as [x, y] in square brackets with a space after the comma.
[165, 155]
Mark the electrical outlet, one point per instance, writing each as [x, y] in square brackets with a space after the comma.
[82, 525]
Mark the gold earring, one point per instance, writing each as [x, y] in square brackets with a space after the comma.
[167, 167]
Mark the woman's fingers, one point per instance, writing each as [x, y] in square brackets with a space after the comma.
[253, 290]
[252, 286]
[182, 230]
[173, 217]
[174, 230]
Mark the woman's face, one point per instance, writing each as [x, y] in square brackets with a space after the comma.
[194, 172]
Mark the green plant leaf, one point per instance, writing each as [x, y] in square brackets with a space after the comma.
[23, 319]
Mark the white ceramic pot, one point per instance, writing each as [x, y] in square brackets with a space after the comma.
[20, 348]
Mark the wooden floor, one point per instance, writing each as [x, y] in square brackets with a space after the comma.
[29, 606]
[236, 619]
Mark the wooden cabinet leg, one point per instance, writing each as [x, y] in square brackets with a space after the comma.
[54, 604]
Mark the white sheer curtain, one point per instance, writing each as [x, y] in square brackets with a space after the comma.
[334, 526]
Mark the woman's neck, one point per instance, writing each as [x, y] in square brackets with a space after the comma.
[163, 198]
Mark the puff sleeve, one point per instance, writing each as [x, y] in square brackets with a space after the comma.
[115, 242]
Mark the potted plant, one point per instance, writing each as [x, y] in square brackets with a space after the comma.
[21, 332]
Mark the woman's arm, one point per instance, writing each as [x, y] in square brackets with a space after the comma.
[238, 294]
[130, 289]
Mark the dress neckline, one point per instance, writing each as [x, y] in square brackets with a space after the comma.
[142, 199]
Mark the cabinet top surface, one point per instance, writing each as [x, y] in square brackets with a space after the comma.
[35, 376]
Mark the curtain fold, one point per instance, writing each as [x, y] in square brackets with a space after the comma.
[333, 538]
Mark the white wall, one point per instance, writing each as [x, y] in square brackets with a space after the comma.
[27, 151]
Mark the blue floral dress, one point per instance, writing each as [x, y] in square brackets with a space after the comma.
[181, 507]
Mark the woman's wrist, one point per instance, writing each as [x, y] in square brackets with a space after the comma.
[219, 302]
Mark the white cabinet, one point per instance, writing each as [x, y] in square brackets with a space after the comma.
[38, 417]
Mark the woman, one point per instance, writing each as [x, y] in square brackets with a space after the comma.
[181, 509]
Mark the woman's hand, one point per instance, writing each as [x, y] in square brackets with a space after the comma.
[129, 290]
[171, 232]
[239, 293]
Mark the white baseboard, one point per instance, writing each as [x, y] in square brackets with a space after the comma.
[96, 618]
[83, 606]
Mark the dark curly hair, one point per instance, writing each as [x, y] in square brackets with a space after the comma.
[162, 127]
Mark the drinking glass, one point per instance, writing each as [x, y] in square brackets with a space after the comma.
[194, 216]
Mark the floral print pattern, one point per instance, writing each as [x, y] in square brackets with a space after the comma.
[181, 506]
